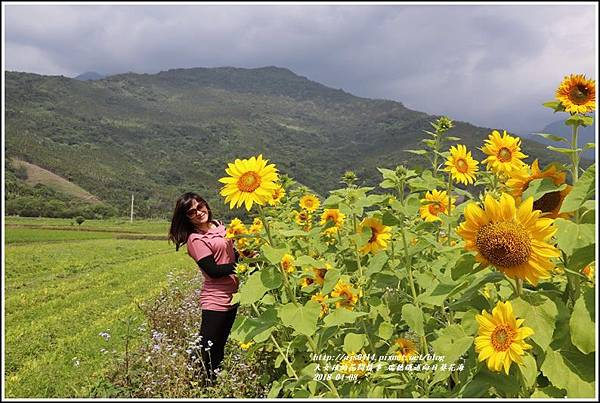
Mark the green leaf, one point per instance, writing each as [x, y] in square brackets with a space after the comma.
[563, 150]
[464, 265]
[341, 316]
[331, 278]
[303, 319]
[389, 219]
[452, 138]
[581, 192]
[293, 232]
[376, 264]
[548, 392]
[588, 146]
[570, 370]
[552, 137]
[386, 330]
[253, 289]
[305, 260]
[571, 236]
[418, 152]
[246, 328]
[556, 105]
[274, 391]
[332, 201]
[539, 187]
[540, 314]
[452, 342]
[271, 278]
[414, 318]
[412, 205]
[273, 255]
[579, 120]
[529, 370]
[582, 322]
[582, 257]
[353, 342]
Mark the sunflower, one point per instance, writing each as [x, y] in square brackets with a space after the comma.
[349, 298]
[306, 281]
[332, 215]
[241, 268]
[276, 196]
[406, 349]
[249, 181]
[246, 346]
[501, 339]
[256, 226]
[504, 153]
[589, 271]
[303, 218]
[550, 203]
[436, 203]
[577, 94]
[461, 165]
[287, 263]
[330, 235]
[309, 203]
[380, 235]
[355, 364]
[320, 273]
[235, 227]
[513, 239]
[321, 299]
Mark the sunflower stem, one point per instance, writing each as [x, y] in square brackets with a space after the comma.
[519, 289]
[412, 285]
[449, 206]
[283, 355]
[261, 212]
[575, 162]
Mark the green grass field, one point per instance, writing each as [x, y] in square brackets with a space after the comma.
[64, 287]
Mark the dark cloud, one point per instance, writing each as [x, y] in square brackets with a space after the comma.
[492, 65]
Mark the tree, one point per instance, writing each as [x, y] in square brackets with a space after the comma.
[79, 219]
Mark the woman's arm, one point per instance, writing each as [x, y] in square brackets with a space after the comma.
[214, 270]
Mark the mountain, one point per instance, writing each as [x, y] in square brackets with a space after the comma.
[585, 135]
[89, 76]
[159, 135]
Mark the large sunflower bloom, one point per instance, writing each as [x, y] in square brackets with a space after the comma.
[349, 298]
[309, 203]
[332, 215]
[504, 153]
[550, 203]
[406, 349]
[287, 263]
[577, 94]
[380, 235]
[249, 181]
[500, 339]
[513, 239]
[435, 203]
[461, 165]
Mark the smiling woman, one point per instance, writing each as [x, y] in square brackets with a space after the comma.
[207, 244]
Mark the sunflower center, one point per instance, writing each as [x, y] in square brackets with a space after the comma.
[579, 94]
[248, 182]
[374, 234]
[504, 154]
[462, 166]
[502, 337]
[504, 244]
[548, 202]
[435, 208]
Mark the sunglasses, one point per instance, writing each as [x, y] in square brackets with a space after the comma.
[195, 211]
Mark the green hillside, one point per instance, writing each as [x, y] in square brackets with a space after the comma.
[158, 135]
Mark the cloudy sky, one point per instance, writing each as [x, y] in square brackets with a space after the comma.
[491, 65]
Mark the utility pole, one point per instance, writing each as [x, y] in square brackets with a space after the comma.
[131, 220]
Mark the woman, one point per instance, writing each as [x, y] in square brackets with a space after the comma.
[192, 224]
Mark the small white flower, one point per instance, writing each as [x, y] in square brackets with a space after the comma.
[210, 343]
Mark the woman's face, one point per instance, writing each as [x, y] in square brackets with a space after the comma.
[197, 213]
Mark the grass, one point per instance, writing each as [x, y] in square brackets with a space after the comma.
[60, 295]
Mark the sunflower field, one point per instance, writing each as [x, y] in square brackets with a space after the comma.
[466, 279]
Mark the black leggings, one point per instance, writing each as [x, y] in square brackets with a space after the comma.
[214, 329]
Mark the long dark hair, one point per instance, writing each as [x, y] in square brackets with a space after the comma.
[181, 226]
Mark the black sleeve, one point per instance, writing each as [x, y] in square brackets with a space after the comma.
[214, 270]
